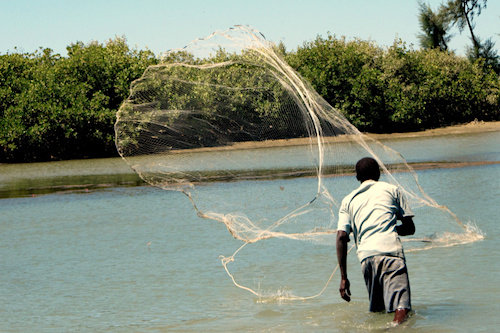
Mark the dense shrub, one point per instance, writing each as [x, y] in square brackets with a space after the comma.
[54, 107]
[398, 89]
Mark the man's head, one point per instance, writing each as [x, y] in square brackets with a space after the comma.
[367, 168]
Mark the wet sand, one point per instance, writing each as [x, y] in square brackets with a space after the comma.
[469, 128]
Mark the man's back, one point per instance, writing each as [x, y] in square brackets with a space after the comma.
[371, 212]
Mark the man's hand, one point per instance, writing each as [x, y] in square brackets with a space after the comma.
[407, 227]
[345, 292]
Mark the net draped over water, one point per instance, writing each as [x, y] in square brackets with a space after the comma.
[229, 123]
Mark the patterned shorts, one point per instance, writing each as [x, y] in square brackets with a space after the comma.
[387, 282]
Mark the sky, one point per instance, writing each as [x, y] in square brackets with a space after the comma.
[161, 25]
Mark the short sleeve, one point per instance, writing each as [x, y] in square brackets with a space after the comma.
[404, 208]
[344, 223]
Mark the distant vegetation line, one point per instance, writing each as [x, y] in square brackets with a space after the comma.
[56, 108]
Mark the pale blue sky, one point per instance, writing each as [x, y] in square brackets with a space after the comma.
[163, 25]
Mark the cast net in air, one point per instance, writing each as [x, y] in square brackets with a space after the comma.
[229, 123]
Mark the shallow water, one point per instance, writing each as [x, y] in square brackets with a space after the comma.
[18, 180]
[138, 259]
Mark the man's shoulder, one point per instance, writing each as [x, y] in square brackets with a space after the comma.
[377, 185]
[353, 193]
[362, 188]
[386, 185]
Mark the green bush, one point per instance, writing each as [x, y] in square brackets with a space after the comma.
[398, 89]
[54, 107]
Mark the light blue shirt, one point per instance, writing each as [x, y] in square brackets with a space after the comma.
[370, 212]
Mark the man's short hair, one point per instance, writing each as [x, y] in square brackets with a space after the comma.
[367, 168]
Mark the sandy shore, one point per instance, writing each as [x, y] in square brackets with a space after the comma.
[469, 128]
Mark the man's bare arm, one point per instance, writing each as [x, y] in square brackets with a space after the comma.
[342, 239]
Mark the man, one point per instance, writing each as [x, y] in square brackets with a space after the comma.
[370, 213]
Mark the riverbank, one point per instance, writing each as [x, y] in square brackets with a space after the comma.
[28, 179]
[469, 128]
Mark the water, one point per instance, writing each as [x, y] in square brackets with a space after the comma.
[42, 178]
[138, 259]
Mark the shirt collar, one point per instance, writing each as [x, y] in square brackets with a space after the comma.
[367, 183]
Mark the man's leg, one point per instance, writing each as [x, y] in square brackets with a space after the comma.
[400, 315]
[396, 288]
[369, 267]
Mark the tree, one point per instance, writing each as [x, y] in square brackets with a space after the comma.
[463, 12]
[54, 107]
[487, 53]
[435, 27]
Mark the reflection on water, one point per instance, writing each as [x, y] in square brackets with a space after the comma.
[18, 180]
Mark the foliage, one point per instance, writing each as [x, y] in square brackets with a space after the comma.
[463, 12]
[226, 99]
[55, 107]
[398, 89]
[435, 27]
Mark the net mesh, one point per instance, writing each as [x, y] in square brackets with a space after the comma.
[226, 121]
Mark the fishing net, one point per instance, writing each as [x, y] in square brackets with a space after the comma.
[230, 124]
